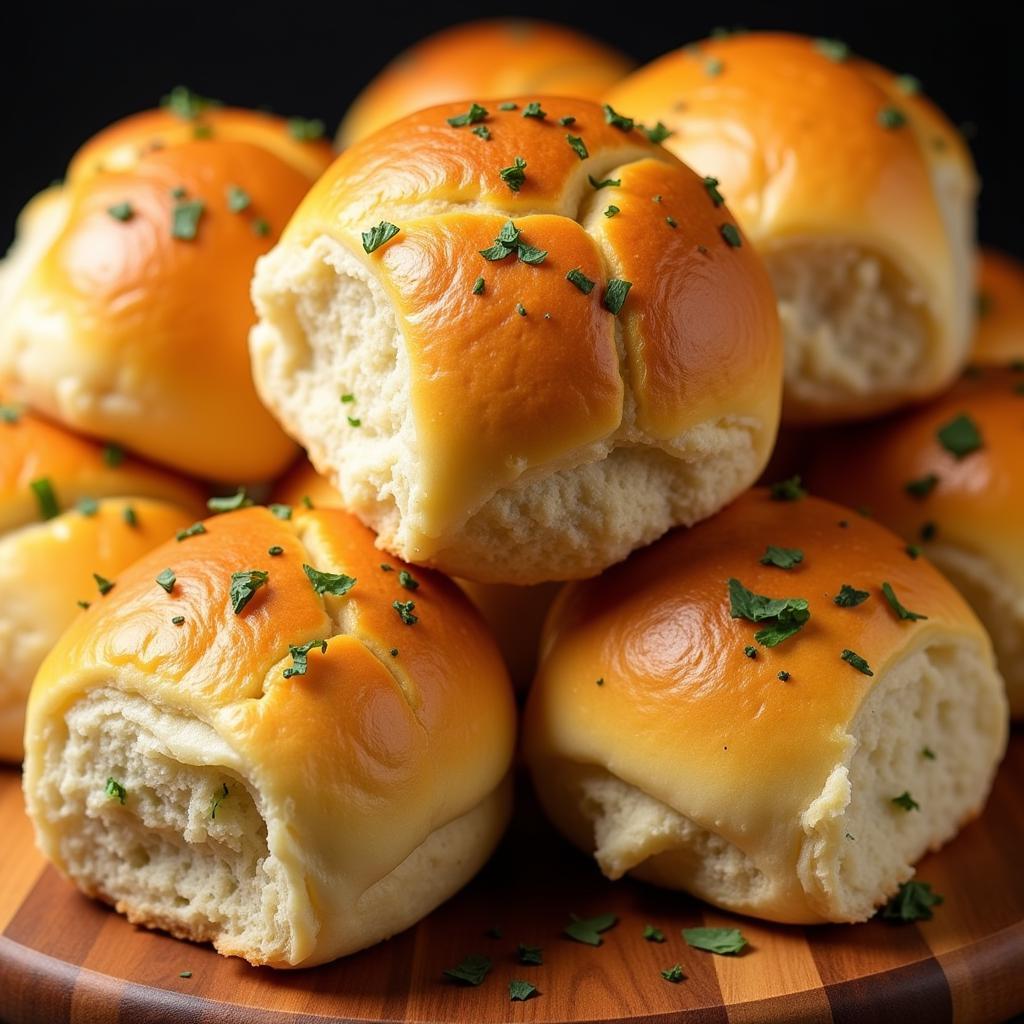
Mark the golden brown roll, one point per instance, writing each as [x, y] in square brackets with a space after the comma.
[69, 509]
[859, 194]
[999, 336]
[515, 614]
[126, 296]
[778, 710]
[262, 739]
[497, 57]
[947, 477]
[519, 354]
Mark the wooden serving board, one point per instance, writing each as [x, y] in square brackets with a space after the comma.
[65, 958]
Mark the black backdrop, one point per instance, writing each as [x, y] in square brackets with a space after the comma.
[65, 73]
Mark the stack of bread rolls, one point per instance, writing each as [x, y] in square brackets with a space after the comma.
[536, 328]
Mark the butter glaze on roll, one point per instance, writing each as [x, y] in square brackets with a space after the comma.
[47, 565]
[287, 819]
[965, 512]
[656, 742]
[117, 326]
[523, 433]
[502, 56]
[999, 338]
[859, 194]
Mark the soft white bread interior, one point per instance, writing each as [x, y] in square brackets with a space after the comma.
[859, 193]
[107, 510]
[798, 782]
[947, 477]
[293, 780]
[508, 420]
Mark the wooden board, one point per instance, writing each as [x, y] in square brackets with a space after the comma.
[64, 958]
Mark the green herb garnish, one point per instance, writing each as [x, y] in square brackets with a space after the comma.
[533, 109]
[238, 199]
[835, 49]
[167, 579]
[783, 676]
[192, 531]
[723, 941]
[532, 955]
[336, 583]
[611, 117]
[673, 974]
[854, 659]
[46, 497]
[783, 617]
[848, 597]
[788, 490]
[891, 118]
[104, 586]
[508, 106]
[404, 610]
[260, 227]
[113, 455]
[280, 511]
[906, 802]
[407, 580]
[960, 436]
[129, 516]
[672, 222]
[749, 651]
[305, 129]
[186, 104]
[922, 486]
[87, 507]
[178, 620]
[121, 211]
[658, 134]
[711, 184]
[9, 413]
[475, 114]
[235, 501]
[481, 131]
[610, 211]
[578, 278]
[588, 930]
[928, 753]
[472, 971]
[652, 934]
[185, 218]
[731, 234]
[613, 182]
[615, 293]
[579, 147]
[377, 236]
[300, 657]
[566, 121]
[218, 799]
[714, 66]
[244, 585]
[908, 85]
[782, 558]
[514, 175]
[913, 902]
[115, 791]
[894, 603]
[520, 991]
[478, 286]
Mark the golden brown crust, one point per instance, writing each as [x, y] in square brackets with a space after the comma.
[999, 334]
[149, 329]
[657, 632]
[480, 60]
[32, 448]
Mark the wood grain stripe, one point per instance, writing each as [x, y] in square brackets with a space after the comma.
[18, 872]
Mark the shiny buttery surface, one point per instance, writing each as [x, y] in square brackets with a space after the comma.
[999, 335]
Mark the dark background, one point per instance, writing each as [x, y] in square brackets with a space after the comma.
[64, 74]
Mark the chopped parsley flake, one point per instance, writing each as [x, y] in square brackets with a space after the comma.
[610, 211]
[129, 516]
[404, 610]
[784, 676]
[244, 585]
[928, 753]
[192, 531]
[115, 791]
[186, 104]
[534, 110]
[588, 930]
[912, 902]
[478, 286]
[275, 550]
[260, 227]
[652, 934]
[354, 421]
[520, 309]
[913, 551]
[121, 211]
[300, 657]
[377, 236]
[508, 106]
[178, 620]
[514, 175]
[711, 184]
[658, 134]
[783, 617]
[906, 802]
[475, 114]
[520, 991]
[750, 651]
[167, 579]
[407, 580]
[731, 234]
[532, 955]
[472, 971]
[891, 118]
[104, 586]
[185, 218]
[616, 119]
[579, 147]
[9, 413]
[46, 497]
[922, 486]
[849, 597]
[782, 558]
[113, 455]
[218, 799]
[481, 131]
[280, 511]
[714, 66]
[305, 129]
[908, 85]
[613, 182]
[336, 583]
[723, 941]
[88, 507]
[854, 659]
[615, 293]
[788, 490]
[960, 436]
[894, 603]
[566, 121]
[239, 499]
[238, 199]
[578, 278]
[671, 222]
[835, 49]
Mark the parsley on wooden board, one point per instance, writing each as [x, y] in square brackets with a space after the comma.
[723, 941]
[588, 929]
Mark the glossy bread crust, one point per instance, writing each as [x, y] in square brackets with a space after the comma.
[483, 59]
[148, 327]
[999, 336]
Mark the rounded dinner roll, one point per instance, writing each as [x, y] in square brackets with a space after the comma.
[497, 420]
[856, 190]
[68, 508]
[501, 56]
[999, 335]
[126, 296]
[947, 477]
[797, 782]
[514, 613]
[195, 758]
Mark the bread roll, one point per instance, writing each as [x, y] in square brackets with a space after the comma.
[857, 191]
[999, 337]
[798, 782]
[68, 509]
[500, 56]
[920, 474]
[515, 614]
[498, 420]
[126, 296]
[215, 773]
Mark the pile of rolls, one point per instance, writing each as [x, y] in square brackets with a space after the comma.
[535, 329]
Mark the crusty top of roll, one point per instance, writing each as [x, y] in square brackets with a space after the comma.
[33, 449]
[119, 327]
[497, 387]
[503, 56]
[426, 731]
[973, 500]
[999, 334]
[740, 744]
